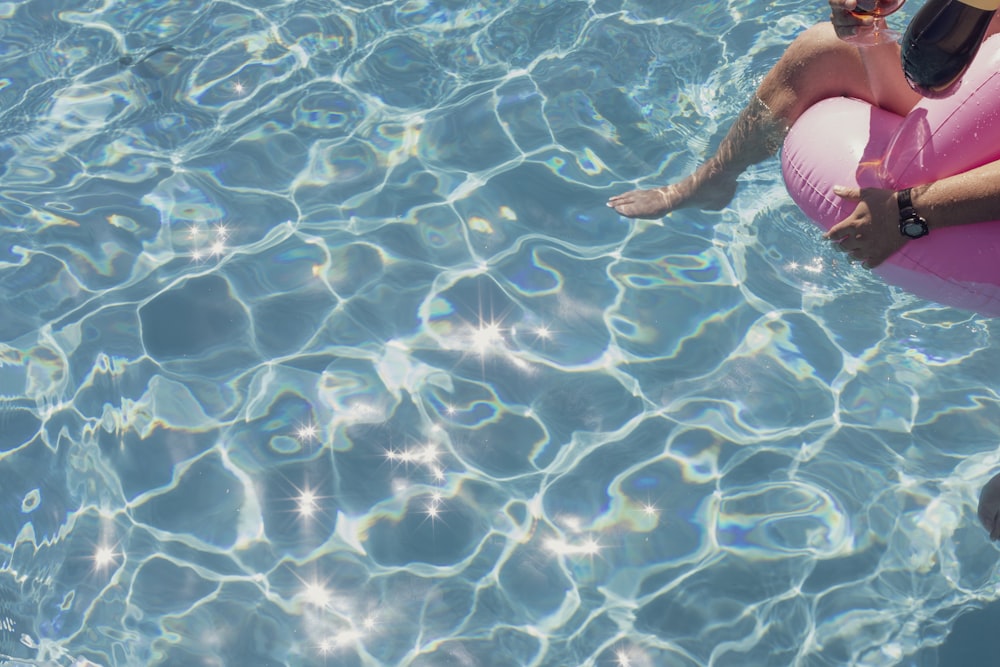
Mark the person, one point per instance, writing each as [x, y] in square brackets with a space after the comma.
[817, 65]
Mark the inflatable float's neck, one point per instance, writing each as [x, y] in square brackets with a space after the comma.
[942, 39]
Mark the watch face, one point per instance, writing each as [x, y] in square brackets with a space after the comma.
[915, 228]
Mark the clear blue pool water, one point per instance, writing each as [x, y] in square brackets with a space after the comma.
[318, 346]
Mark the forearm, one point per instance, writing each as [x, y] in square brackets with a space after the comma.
[972, 196]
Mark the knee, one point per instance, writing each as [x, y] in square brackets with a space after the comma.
[817, 64]
[818, 59]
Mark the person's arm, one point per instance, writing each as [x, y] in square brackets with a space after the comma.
[871, 233]
[972, 196]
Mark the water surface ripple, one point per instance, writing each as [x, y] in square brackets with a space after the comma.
[319, 347]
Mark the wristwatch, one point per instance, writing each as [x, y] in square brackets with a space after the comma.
[911, 225]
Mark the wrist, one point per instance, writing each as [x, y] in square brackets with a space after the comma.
[918, 200]
[911, 224]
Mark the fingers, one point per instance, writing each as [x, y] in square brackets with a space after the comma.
[851, 242]
[859, 235]
[838, 232]
[625, 198]
[844, 22]
[622, 201]
[841, 6]
[845, 192]
[843, 233]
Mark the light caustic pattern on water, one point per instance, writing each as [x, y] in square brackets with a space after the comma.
[319, 347]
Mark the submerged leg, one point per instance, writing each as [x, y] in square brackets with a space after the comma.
[817, 65]
[756, 135]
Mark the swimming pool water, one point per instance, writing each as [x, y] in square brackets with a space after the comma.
[318, 346]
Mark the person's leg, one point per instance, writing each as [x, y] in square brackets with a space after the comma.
[817, 65]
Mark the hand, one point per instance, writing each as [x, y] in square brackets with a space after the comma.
[844, 22]
[870, 234]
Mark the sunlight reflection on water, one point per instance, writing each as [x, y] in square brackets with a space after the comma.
[320, 346]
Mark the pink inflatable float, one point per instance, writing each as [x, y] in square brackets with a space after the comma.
[843, 141]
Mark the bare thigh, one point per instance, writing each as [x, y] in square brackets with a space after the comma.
[819, 65]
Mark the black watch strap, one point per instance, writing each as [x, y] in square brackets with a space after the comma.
[905, 199]
[911, 225]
